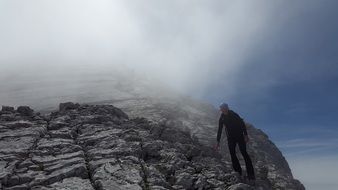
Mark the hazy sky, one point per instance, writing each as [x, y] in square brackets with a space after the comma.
[275, 62]
[187, 44]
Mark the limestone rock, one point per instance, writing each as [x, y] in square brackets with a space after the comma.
[25, 111]
[240, 186]
[99, 147]
[7, 109]
[68, 106]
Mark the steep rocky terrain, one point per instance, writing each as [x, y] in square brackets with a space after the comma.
[200, 119]
[101, 147]
[23, 132]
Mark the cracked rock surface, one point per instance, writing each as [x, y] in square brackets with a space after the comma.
[73, 139]
[98, 147]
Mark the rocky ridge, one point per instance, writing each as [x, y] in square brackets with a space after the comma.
[100, 147]
[93, 147]
[200, 119]
[138, 96]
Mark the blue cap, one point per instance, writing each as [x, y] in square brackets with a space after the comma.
[224, 105]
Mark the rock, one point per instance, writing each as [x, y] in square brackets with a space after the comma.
[73, 183]
[185, 180]
[125, 175]
[240, 186]
[99, 147]
[25, 111]
[55, 125]
[7, 117]
[201, 182]
[7, 109]
[154, 177]
[152, 149]
[200, 119]
[68, 106]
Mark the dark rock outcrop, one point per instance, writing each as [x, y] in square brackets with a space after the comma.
[7, 109]
[68, 106]
[25, 110]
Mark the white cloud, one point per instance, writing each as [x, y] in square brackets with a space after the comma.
[187, 44]
[316, 172]
[314, 161]
[305, 143]
[308, 146]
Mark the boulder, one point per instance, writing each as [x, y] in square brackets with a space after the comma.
[185, 180]
[7, 109]
[68, 106]
[25, 111]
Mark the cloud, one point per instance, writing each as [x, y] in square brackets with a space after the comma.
[304, 143]
[186, 44]
[194, 46]
[315, 172]
[313, 160]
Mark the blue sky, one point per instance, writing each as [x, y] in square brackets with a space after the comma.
[289, 88]
[291, 79]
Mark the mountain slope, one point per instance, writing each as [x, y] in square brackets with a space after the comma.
[137, 96]
[200, 119]
[100, 147]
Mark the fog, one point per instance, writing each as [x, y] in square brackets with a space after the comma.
[186, 45]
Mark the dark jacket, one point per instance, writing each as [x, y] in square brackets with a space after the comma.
[234, 126]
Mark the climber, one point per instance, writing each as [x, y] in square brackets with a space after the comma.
[236, 134]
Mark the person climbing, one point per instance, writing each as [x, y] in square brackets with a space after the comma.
[237, 134]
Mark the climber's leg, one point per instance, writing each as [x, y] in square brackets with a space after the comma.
[235, 162]
[248, 162]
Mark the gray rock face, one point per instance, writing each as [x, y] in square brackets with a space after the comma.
[25, 110]
[99, 147]
[200, 119]
[7, 109]
[240, 186]
[68, 106]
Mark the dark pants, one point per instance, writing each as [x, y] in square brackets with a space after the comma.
[232, 142]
